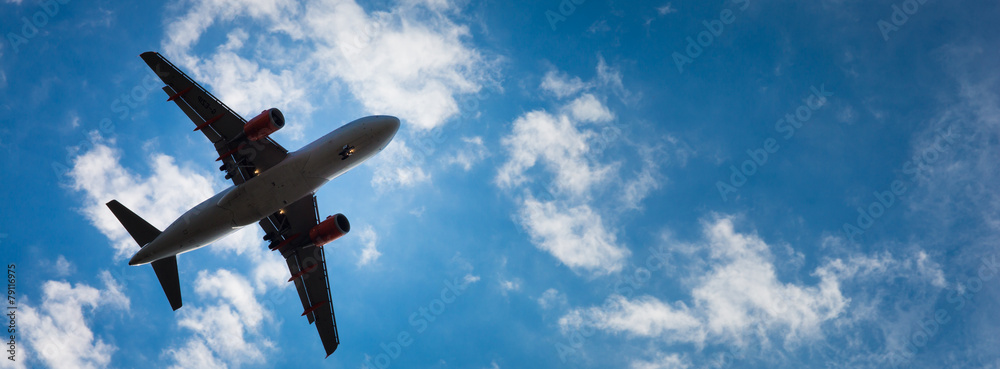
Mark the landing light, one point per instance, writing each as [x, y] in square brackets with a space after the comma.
[256, 171]
[282, 211]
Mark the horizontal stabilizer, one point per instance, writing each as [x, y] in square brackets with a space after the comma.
[142, 232]
[166, 272]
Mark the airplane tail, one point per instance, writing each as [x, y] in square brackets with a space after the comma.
[143, 233]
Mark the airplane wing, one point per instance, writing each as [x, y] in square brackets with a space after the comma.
[241, 157]
[288, 232]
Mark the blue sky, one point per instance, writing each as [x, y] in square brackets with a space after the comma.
[678, 184]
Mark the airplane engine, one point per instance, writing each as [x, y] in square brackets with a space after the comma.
[330, 229]
[264, 124]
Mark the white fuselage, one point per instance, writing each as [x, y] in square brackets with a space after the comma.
[300, 174]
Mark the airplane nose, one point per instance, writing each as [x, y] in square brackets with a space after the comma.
[386, 127]
[390, 125]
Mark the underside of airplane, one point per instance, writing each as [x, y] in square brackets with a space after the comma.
[271, 187]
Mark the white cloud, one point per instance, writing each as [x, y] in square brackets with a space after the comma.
[112, 294]
[663, 361]
[637, 189]
[551, 298]
[587, 108]
[473, 152]
[562, 145]
[666, 9]
[611, 78]
[562, 85]
[644, 316]
[555, 142]
[737, 297]
[510, 285]
[369, 252]
[227, 286]
[228, 330]
[411, 61]
[56, 330]
[398, 166]
[270, 270]
[195, 355]
[576, 236]
[743, 292]
[63, 267]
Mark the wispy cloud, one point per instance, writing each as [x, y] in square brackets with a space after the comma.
[737, 297]
[398, 166]
[369, 251]
[472, 152]
[560, 152]
[665, 9]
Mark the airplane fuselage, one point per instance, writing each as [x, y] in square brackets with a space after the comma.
[299, 174]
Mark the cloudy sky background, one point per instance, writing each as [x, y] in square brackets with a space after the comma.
[567, 168]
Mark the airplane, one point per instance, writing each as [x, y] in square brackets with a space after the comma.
[271, 187]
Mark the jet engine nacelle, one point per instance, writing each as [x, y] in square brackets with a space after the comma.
[264, 124]
[330, 229]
